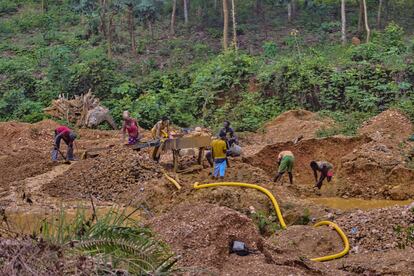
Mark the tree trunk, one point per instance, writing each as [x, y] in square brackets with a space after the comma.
[110, 29]
[361, 17]
[131, 28]
[294, 8]
[225, 24]
[185, 12]
[258, 8]
[289, 10]
[172, 29]
[151, 29]
[366, 20]
[103, 25]
[233, 14]
[343, 22]
[379, 15]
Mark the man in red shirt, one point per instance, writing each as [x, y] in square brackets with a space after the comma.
[65, 133]
[130, 125]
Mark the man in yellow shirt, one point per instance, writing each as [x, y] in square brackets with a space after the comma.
[160, 131]
[219, 152]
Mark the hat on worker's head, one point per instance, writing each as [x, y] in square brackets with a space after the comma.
[72, 135]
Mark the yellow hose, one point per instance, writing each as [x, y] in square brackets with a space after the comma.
[252, 186]
[173, 181]
[344, 239]
[280, 217]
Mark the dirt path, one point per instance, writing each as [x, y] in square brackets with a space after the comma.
[26, 193]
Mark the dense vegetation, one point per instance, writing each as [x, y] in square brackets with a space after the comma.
[134, 55]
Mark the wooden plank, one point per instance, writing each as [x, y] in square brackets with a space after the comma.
[188, 142]
[175, 159]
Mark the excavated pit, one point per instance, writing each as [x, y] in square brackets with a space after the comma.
[198, 224]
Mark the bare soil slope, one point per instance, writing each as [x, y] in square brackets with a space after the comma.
[331, 149]
[291, 124]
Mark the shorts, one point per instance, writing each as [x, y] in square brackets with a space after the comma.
[286, 165]
[132, 140]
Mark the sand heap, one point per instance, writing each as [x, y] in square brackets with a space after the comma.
[307, 241]
[390, 126]
[291, 124]
[378, 168]
[15, 136]
[201, 234]
[118, 175]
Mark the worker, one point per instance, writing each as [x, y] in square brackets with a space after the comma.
[325, 168]
[228, 132]
[285, 160]
[219, 154]
[160, 131]
[65, 133]
[130, 125]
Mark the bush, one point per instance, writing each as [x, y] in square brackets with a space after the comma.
[8, 7]
[368, 51]
[9, 103]
[29, 111]
[249, 113]
[345, 123]
[393, 38]
[407, 107]
[270, 49]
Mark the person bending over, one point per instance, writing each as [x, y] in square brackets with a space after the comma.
[325, 168]
[285, 160]
[68, 136]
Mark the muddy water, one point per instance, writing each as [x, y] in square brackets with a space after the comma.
[356, 203]
[29, 222]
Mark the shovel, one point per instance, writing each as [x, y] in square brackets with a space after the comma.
[64, 157]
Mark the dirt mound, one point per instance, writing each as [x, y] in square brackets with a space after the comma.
[201, 233]
[380, 165]
[393, 262]
[15, 135]
[308, 241]
[378, 230]
[116, 175]
[380, 168]
[291, 124]
[390, 126]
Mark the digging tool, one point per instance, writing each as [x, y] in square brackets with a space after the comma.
[63, 156]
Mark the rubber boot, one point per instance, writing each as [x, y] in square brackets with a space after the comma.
[55, 154]
[69, 153]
